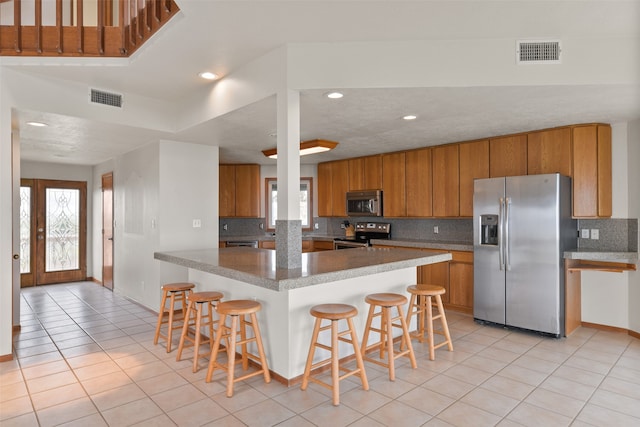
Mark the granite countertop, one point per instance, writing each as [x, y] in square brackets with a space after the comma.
[268, 237]
[598, 255]
[258, 266]
[425, 244]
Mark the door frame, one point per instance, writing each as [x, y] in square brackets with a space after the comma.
[107, 231]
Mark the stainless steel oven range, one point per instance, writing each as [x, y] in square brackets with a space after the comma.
[364, 233]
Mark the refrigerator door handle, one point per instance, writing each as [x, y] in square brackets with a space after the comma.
[501, 234]
[507, 204]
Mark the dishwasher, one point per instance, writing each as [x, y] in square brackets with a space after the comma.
[242, 243]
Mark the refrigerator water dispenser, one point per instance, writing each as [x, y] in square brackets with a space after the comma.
[489, 230]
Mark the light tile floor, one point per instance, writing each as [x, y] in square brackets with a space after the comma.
[85, 356]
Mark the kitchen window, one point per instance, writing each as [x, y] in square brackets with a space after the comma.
[306, 205]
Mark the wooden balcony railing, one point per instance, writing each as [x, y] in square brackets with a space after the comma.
[98, 28]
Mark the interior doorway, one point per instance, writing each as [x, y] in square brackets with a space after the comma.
[107, 230]
[53, 231]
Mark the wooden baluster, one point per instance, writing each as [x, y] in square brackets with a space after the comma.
[100, 27]
[59, 24]
[108, 13]
[17, 26]
[148, 7]
[39, 26]
[132, 22]
[123, 27]
[157, 10]
[140, 20]
[80, 24]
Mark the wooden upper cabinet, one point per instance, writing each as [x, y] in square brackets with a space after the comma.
[227, 190]
[248, 191]
[418, 183]
[393, 185]
[508, 156]
[339, 187]
[365, 173]
[239, 191]
[549, 151]
[474, 163]
[446, 181]
[325, 206]
[592, 171]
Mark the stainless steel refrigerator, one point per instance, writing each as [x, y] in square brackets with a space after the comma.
[522, 226]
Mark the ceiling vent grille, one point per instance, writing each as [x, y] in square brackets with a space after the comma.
[538, 52]
[106, 98]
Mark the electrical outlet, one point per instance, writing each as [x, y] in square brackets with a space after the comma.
[584, 233]
[225, 227]
[435, 229]
[595, 234]
[342, 226]
[316, 226]
[197, 223]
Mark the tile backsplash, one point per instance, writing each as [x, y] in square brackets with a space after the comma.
[614, 234]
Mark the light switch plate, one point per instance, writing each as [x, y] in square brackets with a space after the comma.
[584, 233]
[595, 234]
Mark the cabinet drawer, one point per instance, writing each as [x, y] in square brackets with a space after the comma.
[466, 257]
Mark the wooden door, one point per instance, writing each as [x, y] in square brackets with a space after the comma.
[474, 163]
[585, 171]
[372, 173]
[461, 281]
[58, 236]
[549, 151]
[356, 174]
[418, 183]
[435, 274]
[107, 230]
[446, 181]
[393, 185]
[508, 156]
[247, 191]
[605, 207]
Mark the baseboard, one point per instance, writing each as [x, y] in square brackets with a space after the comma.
[611, 329]
[94, 280]
[6, 357]
[16, 329]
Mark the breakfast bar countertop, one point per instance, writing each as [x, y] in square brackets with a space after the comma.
[599, 255]
[258, 266]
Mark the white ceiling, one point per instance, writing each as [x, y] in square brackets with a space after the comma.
[222, 36]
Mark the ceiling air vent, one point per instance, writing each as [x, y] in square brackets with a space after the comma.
[106, 98]
[538, 52]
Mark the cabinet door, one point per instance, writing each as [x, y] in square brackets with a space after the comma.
[474, 163]
[227, 191]
[324, 189]
[356, 174]
[446, 181]
[508, 156]
[549, 151]
[393, 185]
[339, 187]
[585, 171]
[248, 191]
[461, 281]
[435, 274]
[418, 183]
[372, 173]
[604, 171]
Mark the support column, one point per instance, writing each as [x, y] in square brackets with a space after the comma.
[288, 224]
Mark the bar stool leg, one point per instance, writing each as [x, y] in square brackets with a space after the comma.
[359, 360]
[170, 325]
[429, 307]
[185, 331]
[443, 320]
[216, 347]
[231, 364]
[163, 305]
[406, 337]
[312, 350]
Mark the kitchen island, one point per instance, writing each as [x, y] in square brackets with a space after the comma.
[345, 276]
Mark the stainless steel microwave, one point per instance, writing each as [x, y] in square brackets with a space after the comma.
[364, 203]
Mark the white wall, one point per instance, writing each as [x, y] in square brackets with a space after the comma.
[604, 294]
[158, 191]
[633, 160]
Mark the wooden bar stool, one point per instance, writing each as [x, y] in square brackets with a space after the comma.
[334, 313]
[199, 315]
[238, 310]
[386, 301]
[175, 292]
[422, 304]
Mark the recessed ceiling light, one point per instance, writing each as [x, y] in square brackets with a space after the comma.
[410, 117]
[334, 95]
[37, 124]
[208, 75]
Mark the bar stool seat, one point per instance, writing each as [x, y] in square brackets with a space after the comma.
[200, 309]
[175, 292]
[387, 301]
[423, 298]
[334, 313]
[238, 310]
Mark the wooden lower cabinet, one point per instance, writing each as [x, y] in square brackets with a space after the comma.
[455, 276]
[322, 245]
[307, 245]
